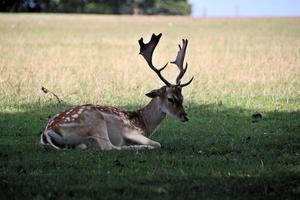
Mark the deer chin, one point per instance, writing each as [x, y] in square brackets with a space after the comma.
[181, 119]
[175, 117]
[184, 119]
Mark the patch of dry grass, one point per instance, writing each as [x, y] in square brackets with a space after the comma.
[89, 58]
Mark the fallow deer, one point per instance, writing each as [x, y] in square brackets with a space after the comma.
[108, 127]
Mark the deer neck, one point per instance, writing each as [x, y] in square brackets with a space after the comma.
[152, 116]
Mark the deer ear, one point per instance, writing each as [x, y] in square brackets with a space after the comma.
[154, 93]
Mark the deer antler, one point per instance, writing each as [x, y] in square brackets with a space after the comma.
[179, 62]
[146, 50]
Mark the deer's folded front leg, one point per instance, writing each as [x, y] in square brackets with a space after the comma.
[138, 138]
[137, 147]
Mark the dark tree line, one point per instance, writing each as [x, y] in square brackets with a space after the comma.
[141, 7]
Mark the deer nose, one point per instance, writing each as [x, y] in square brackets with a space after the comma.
[184, 117]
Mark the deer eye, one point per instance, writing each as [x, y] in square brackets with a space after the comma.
[171, 100]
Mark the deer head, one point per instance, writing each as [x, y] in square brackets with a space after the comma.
[169, 96]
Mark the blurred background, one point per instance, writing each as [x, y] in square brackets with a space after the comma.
[137, 7]
[196, 8]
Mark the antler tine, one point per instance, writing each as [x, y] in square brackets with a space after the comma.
[182, 72]
[186, 84]
[179, 62]
[146, 50]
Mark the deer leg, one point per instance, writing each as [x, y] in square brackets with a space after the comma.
[90, 131]
[53, 139]
[142, 140]
[137, 147]
[97, 141]
[99, 135]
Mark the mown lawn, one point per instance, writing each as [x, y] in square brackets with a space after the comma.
[242, 67]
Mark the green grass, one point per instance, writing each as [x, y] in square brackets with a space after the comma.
[221, 153]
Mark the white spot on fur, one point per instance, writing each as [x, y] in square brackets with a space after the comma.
[67, 119]
[74, 116]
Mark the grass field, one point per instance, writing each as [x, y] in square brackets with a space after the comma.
[241, 67]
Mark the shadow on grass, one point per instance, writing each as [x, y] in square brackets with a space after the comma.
[221, 153]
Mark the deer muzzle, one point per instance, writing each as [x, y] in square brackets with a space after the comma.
[184, 117]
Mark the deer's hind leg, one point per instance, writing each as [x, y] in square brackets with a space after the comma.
[98, 134]
[81, 130]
